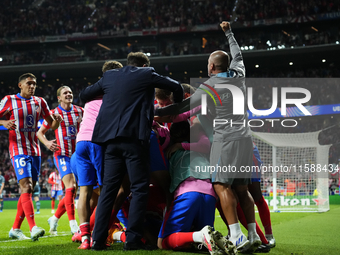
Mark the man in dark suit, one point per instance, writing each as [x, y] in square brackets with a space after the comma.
[123, 127]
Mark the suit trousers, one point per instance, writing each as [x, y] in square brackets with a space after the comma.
[120, 155]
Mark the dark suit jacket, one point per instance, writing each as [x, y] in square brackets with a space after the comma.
[128, 102]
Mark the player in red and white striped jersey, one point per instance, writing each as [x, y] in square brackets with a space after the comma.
[63, 147]
[56, 187]
[23, 112]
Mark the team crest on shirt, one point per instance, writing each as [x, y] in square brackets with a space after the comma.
[20, 171]
[64, 168]
[37, 108]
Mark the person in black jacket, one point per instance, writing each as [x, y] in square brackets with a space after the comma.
[123, 127]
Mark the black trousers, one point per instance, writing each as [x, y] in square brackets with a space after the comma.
[121, 155]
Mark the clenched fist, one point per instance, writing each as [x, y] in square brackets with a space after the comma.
[225, 25]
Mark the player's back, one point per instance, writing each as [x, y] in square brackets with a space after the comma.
[132, 115]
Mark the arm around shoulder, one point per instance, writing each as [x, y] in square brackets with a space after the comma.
[91, 92]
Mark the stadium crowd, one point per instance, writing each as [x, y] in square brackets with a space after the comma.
[261, 9]
[168, 46]
[59, 17]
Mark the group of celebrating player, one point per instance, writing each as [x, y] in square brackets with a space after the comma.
[182, 201]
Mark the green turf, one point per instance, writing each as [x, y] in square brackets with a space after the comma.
[295, 233]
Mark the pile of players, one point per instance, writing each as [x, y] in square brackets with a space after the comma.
[178, 143]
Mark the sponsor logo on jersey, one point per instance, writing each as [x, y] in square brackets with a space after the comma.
[29, 120]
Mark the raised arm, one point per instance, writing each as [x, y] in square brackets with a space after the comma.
[167, 83]
[237, 59]
[186, 105]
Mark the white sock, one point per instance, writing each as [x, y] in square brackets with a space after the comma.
[252, 229]
[235, 230]
[83, 223]
[55, 218]
[83, 238]
[197, 237]
[74, 222]
[116, 236]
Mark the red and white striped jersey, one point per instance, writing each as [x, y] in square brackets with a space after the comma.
[26, 112]
[67, 132]
[55, 177]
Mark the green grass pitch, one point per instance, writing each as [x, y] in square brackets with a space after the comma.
[295, 234]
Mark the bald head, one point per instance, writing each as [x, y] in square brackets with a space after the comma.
[218, 62]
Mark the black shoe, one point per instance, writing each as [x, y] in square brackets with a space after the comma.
[132, 246]
[98, 246]
[263, 248]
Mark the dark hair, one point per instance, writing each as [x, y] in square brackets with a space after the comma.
[109, 65]
[162, 94]
[137, 59]
[188, 88]
[26, 75]
[180, 131]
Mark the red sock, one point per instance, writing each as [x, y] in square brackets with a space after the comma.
[264, 213]
[61, 209]
[92, 219]
[243, 221]
[123, 237]
[19, 218]
[69, 203]
[113, 218]
[177, 240]
[84, 229]
[27, 206]
[52, 204]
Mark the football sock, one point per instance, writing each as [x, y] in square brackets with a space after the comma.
[20, 216]
[52, 204]
[178, 240]
[27, 206]
[92, 219]
[122, 237]
[235, 230]
[69, 203]
[85, 229]
[113, 218]
[61, 209]
[37, 204]
[243, 221]
[264, 213]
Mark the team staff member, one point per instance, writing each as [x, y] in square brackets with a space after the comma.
[232, 145]
[123, 127]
